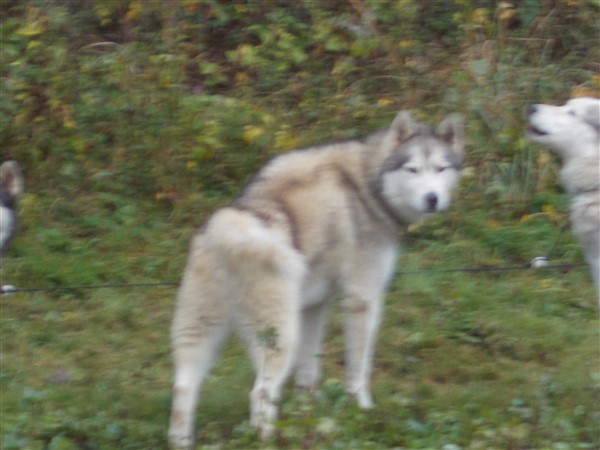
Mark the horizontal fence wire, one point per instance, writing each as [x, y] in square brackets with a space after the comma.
[493, 269]
[536, 264]
[8, 289]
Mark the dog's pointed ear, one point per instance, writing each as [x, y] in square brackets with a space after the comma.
[452, 130]
[405, 126]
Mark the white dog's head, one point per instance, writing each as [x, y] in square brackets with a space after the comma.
[573, 130]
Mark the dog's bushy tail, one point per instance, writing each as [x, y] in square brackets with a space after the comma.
[247, 244]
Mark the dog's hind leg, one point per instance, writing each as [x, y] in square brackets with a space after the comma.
[192, 364]
[270, 324]
[199, 328]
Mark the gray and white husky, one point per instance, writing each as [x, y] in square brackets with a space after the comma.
[313, 223]
[573, 132]
[11, 186]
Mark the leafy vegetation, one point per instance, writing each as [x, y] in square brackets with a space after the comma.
[133, 120]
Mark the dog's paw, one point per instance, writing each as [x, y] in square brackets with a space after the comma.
[178, 442]
[364, 399]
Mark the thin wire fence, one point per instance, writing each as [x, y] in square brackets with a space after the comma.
[536, 263]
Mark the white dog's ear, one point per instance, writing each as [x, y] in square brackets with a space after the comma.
[452, 130]
[405, 126]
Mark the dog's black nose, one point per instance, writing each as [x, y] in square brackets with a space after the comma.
[432, 201]
[532, 109]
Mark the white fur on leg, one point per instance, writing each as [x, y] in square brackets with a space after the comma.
[192, 364]
[308, 363]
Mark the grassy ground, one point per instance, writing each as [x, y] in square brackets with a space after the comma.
[134, 120]
[465, 360]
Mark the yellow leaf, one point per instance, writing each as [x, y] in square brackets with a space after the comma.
[468, 172]
[68, 121]
[508, 15]
[134, 12]
[33, 44]
[412, 228]
[33, 28]
[251, 133]
[406, 44]
[104, 14]
[245, 49]
[548, 283]
[384, 102]
[544, 159]
[241, 78]
[552, 214]
[22, 118]
[37, 23]
[481, 16]
[103, 11]
[285, 141]
[267, 118]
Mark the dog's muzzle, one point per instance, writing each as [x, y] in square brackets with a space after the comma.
[533, 109]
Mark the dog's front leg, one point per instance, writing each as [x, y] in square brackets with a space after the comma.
[363, 313]
[364, 288]
[309, 352]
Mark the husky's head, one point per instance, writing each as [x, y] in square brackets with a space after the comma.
[11, 185]
[421, 167]
[572, 129]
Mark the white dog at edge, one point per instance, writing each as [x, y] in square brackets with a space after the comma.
[312, 223]
[573, 132]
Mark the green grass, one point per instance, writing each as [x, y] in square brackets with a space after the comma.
[134, 120]
[480, 361]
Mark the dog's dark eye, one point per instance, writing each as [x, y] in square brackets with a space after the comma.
[442, 169]
[412, 170]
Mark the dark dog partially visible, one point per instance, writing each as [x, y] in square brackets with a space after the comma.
[11, 186]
